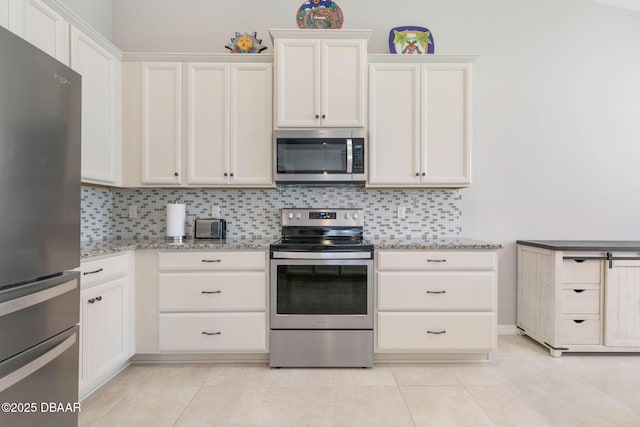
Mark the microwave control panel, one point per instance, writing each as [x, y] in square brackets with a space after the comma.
[358, 156]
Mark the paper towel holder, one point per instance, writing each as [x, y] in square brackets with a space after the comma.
[178, 236]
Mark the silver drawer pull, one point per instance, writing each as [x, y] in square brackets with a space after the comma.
[211, 260]
[436, 292]
[211, 333]
[93, 272]
[437, 332]
[211, 292]
[436, 260]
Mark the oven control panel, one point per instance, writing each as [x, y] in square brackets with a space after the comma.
[323, 217]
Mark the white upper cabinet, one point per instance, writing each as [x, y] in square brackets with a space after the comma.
[100, 71]
[320, 78]
[229, 123]
[161, 123]
[41, 26]
[419, 116]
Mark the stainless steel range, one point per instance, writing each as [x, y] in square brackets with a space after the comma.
[321, 289]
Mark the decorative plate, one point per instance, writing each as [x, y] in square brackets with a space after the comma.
[411, 40]
[323, 14]
[245, 43]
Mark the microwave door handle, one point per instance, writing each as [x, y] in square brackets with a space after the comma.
[349, 155]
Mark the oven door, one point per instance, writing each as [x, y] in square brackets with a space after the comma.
[321, 293]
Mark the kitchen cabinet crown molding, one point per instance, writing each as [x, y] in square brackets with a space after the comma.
[420, 59]
[195, 57]
[295, 33]
[79, 23]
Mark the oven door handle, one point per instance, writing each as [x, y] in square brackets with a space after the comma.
[321, 255]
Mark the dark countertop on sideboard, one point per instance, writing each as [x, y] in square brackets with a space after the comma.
[583, 245]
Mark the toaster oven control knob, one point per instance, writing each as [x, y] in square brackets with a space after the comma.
[354, 215]
[290, 215]
[298, 215]
[346, 216]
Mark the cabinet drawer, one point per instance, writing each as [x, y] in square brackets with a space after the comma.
[436, 331]
[226, 332]
[587, 271]
[435, 291]
[95, 270]
[580, 331]
[580, 301]
[224, 291]
[218, 260]
[435, 260]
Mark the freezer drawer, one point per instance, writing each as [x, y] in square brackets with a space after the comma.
[41, 384]
[30, 314]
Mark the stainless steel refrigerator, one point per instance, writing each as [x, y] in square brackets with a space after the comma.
[40, 103]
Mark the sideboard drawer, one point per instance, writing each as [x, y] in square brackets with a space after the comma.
[580, 301]
[580, 331]
[436, 332]
[587, 271]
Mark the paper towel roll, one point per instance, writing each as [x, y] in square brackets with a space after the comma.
[176, 216]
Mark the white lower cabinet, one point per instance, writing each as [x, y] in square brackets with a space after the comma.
[212, 301]
[106, 319]
[436, 301]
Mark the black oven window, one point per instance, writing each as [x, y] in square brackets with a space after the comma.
[322, 289]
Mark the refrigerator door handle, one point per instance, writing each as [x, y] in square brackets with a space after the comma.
[29, 300]
[36, 364]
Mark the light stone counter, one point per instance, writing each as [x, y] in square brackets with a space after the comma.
[91, 249]
[427, 244]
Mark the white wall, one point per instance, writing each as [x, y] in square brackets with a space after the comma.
[556, 102]
[97, 13]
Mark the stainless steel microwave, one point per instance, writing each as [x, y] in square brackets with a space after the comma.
[322, 156]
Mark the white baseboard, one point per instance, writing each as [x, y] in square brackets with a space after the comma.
[507, 330]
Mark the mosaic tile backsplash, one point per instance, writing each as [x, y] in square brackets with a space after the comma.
[430, 214]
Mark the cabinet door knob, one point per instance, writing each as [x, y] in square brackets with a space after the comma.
[175, 174]
[91, 301]
[225, 174]
[99, 298]
[424, 173]
[231, 174]
[417, 174]
[324, 116]
[317, 116]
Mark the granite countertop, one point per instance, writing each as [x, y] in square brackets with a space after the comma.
[584, 245]
[91, 249]
[450, 243]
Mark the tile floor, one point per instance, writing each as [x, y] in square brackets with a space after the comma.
[522, 386]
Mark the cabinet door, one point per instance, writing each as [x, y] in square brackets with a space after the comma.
[86, 345]
[41, 26]
[445, 125]
[394, 124]
[161, 122]
[110, 341]
[297, 83]
[251, 124]
[208, 123]
[100, 72]
[622, 297]
[343, 83]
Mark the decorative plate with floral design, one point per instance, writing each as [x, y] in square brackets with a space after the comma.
[323, 14]
[411, 40]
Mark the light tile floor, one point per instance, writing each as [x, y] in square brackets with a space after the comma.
[521, 386]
